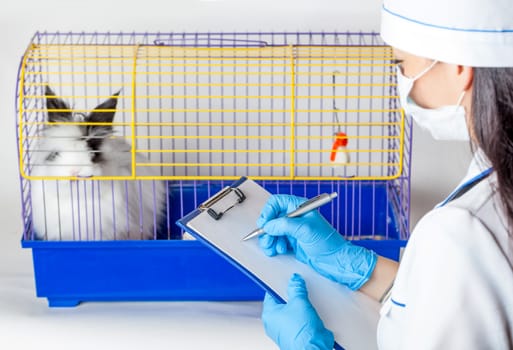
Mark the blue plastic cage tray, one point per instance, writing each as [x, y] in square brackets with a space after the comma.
[67, 273]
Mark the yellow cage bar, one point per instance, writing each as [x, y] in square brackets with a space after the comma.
[214, 113]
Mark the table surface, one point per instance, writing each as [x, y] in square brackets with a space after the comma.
[26, 322]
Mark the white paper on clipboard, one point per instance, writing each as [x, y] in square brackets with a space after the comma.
[351, 316]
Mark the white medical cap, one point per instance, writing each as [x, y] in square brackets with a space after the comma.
[476, 33]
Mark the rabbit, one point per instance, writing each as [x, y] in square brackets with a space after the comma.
[85, 209]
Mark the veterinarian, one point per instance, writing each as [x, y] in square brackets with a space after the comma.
[454, 286]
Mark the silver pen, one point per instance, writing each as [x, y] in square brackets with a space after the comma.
[304, 208]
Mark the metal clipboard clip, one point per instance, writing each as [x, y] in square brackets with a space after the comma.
[208, 204]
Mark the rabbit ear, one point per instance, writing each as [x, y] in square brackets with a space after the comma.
[96, 133]
[58, 110]
[98, 116]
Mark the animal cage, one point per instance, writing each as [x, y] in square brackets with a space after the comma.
[300, 113]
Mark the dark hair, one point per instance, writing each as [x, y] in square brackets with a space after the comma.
[492, 114]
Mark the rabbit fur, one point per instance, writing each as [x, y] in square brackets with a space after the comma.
[90, 209]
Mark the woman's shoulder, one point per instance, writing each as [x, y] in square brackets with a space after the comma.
[473, 222]
[454, 271]
[453, 246]
[454, 228]
[470, 230]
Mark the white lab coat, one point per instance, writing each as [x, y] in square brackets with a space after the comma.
[454, 287]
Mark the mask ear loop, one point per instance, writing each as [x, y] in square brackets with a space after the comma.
[418, 76]
[460, 99]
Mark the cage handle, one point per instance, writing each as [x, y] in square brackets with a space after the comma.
[209, 42]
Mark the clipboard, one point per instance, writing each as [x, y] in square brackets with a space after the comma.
[223, 220]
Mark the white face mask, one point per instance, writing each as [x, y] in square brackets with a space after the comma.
[444, 123]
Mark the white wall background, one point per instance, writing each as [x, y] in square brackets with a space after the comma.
[437, 167]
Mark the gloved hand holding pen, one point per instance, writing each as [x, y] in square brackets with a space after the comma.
[314, 242]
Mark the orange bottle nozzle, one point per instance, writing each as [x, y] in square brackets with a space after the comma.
[340, 141]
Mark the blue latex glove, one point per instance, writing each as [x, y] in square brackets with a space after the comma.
[314, 242]
[295, 325]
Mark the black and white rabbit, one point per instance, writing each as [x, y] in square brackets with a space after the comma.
[84, 209]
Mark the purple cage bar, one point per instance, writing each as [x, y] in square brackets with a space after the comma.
[375, 214]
